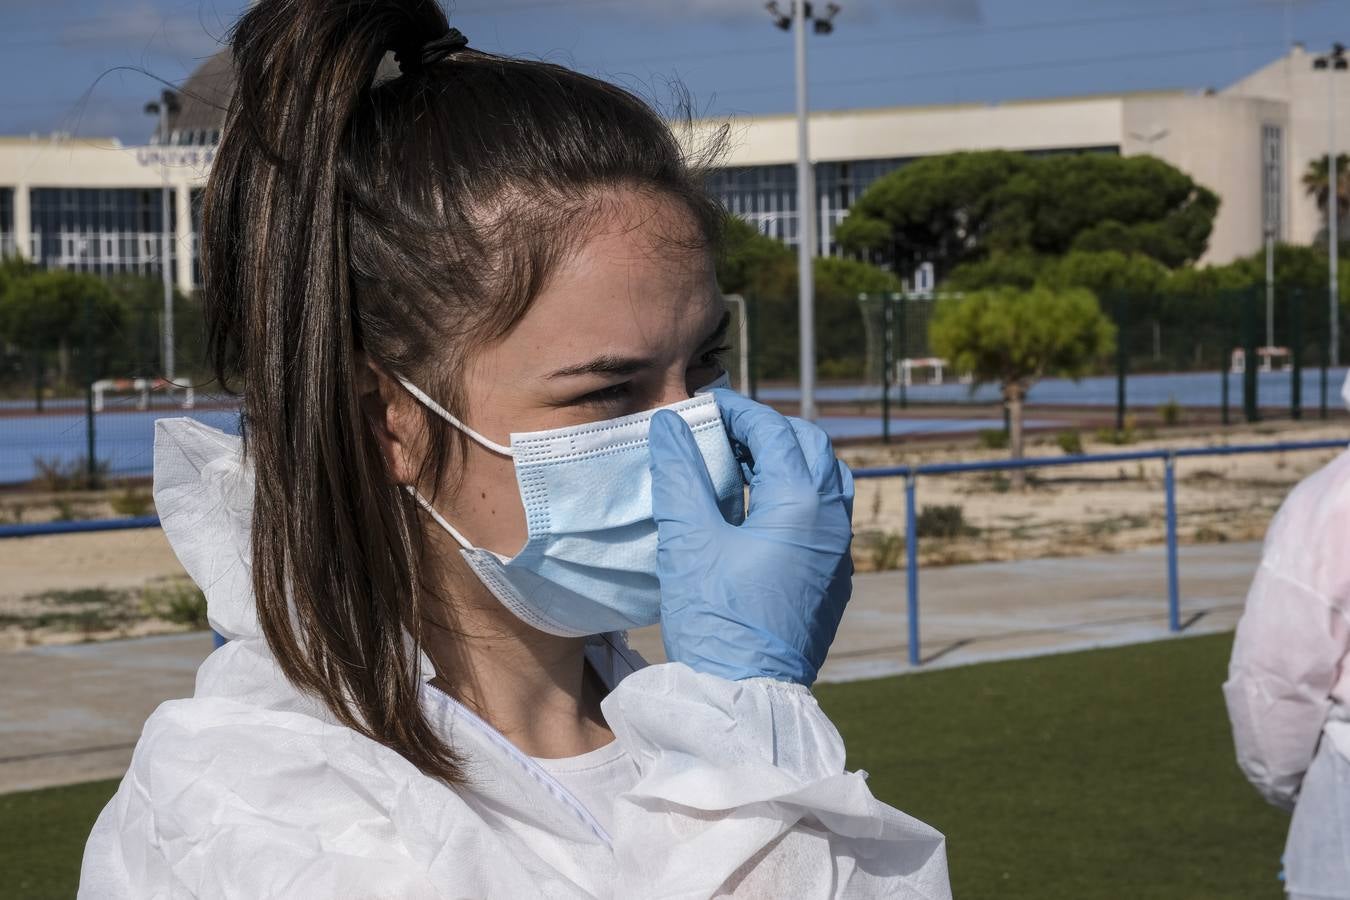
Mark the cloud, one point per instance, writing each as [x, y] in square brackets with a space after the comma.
[142, 29]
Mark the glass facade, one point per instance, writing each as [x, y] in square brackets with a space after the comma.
[766, 196]
[7, 247]
[195, 201]
[103, 231]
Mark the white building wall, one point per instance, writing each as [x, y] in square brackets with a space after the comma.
[1214, 138]
[921, 131]
[1292, 80]
[1217, 141]
[28, 163]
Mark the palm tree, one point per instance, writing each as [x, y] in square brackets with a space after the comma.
[1315, 182]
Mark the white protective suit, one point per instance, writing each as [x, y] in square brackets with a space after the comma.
[1288, 688]
[250, 789]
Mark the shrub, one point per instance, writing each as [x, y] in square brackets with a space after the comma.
[885, 549]
[1170, 412]
[132, 502]
[178, 601]
[993, 439]
[58, 475]
[947, 521]
[1070, 442]
[1126, 435]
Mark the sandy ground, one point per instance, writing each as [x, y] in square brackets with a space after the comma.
[1069, 511]
[1088, 509]
[80, 587]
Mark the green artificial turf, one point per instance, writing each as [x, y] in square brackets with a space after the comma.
[1106, 774]
[42, 836]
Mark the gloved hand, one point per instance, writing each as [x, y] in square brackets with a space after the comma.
[763, 598]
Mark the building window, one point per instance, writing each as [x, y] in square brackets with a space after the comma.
[195, 202]
[103, 231]
[1272, 179]
[7, 246]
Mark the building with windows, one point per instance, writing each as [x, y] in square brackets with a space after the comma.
[96, 205]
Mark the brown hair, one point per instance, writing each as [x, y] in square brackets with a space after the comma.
[397, 220]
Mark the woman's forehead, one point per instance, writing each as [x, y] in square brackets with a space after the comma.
[640, 281]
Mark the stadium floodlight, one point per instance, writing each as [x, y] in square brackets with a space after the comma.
[801, 13]
[780, 20]
[1333, 62]
[165, 106]
[825, 24]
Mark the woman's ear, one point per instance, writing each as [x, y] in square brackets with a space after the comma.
[393, 418]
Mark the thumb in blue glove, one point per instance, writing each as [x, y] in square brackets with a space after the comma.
[763, 598]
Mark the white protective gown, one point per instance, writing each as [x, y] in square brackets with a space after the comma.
[1288, 688]
[251, 789]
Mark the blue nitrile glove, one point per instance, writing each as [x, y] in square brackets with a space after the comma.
[764, 598]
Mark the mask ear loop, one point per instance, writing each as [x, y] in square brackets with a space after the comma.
[447, 416]
[440, 519]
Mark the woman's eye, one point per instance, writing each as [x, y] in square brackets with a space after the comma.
[612, 394]
[714, 358]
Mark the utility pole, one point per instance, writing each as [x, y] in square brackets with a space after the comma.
[163, 108]
[1270, 286]
[1333, 62]
[801, 13]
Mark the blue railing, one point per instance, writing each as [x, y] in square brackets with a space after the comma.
[1169, 457]
[911, 475]
[35, 529]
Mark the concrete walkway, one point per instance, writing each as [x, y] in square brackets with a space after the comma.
[991, 611]
[71, 714]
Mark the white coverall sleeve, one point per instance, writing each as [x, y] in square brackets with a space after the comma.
[742, 792]
[1287, 654]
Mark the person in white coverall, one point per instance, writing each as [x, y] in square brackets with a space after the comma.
[1288, 688]
[471, 307]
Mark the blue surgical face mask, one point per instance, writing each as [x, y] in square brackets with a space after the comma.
[589, 562]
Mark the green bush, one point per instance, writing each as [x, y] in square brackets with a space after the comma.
[1170, 412]
[885, 549]
[131, 502]
[58, 475]
[1070, 442]
[945, 521]
[993, 439]
[178, 601]
[1127, 435]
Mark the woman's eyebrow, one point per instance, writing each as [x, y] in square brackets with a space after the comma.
[605, 365]
[628, 365]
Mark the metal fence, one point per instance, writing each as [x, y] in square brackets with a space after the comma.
[1227, 355]
[911, 474]
[82, 380]
[1169, 458]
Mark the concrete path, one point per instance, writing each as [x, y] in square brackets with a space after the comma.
[990, 611]
[71, 714]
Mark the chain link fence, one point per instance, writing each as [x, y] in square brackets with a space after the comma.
[1244, 354]
[82, 381]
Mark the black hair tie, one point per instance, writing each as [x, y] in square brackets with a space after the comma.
[415, 59]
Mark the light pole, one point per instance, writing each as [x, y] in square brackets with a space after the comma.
[166, 105]
[1333, 62]
[801, 13]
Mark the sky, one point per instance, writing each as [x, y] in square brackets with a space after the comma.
[89, 66]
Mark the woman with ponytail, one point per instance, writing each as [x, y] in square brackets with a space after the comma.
[469, 305]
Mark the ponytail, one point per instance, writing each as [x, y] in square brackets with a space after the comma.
[333, 538]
